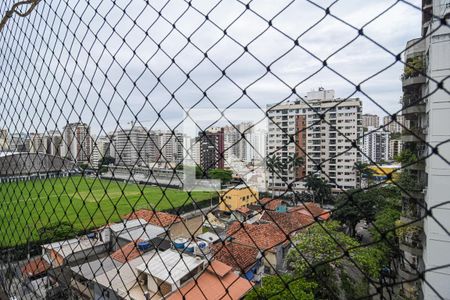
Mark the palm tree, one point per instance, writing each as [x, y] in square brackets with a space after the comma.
[319, 189]
[275, 165]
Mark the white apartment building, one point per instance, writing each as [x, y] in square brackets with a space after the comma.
[427, 107]
[375, 145]
[395, 147]
[297, 128]
[396, 126]
[132, 146]
[76, 142]
[369, 120]
[169, 147]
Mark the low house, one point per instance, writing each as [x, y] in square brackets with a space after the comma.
[313, 210]
[271, 241]
[176, 226]
[245, 261]
[121, 283]
[35, 268]
[166, 272]
[289, 222]
[238, 196]
[218, 281]
[155, 235]
[110, 233]
[270, 204]
[70, 252]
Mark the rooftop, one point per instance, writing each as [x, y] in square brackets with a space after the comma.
[216, 282]
[239, 257]
[34, 267]
[128, 224]
[270, 203]
[144, 233]
[72, 246]
[289, 222]
[94, 268]
[311, 209]
[262, 236]
[170, 266]
[157, 218]
[209, 237]
[127, 252]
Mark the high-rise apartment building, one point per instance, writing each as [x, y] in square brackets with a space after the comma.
[396, 126]
[375, 145]
[132, 146]
[369, 120]
[322, 129]
[76, 142]
[212, 146]
[424, 247]
[395, 147]
[168, 147]
[17, 142]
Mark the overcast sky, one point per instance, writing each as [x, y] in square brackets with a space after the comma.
[64, 62]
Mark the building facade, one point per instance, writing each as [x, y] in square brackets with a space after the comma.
[375, 145]
[321, 128]
[132, 146]
[425, 246]
[395, 147]
[395, 126]
[76, 143]
[369, 120]
[212, 148]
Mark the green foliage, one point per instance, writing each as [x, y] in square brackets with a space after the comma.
[274, 287]
[325, 248]
[224, 176]
[414, 67]
[58, 231]
[106, 160]
[320, 190]
[406, 157]
[385, 222]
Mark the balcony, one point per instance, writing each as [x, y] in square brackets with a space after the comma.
[413, 135]
[420, 79]
[419, 108]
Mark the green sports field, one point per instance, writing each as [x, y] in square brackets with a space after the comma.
[84, 202]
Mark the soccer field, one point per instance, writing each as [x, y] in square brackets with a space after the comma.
[84, 202]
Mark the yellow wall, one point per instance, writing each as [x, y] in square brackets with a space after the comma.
[234, 198]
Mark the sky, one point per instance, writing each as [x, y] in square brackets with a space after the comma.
[109, 64]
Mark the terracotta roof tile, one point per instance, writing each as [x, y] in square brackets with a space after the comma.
[127, 252]
[289, 222]
[270, 203]
[237, 256]
[157, 218]
[243, 209]
[310, 208]
[35, 267]
[262, 236]
[211, 286]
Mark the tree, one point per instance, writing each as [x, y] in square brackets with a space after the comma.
[106, 161]
[224, 176]
[322, 253]
[275, 165]
[320, 190]
[57, 231]
[293, 161]
[274, 287]
[356, 206]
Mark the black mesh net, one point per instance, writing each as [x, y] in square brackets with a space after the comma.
[182, 150]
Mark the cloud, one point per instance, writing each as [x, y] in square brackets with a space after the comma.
[110, 63]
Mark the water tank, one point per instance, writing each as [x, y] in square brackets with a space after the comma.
[90, 235]
[142, 246]
[201, 248]
[190, 247]
[180, 243]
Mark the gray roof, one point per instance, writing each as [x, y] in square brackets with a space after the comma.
[145, 233]
[94, 268]
[127, 225]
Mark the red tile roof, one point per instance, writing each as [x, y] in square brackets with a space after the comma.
[270, 203]
[127, 252]
[35, 267]
[157, 218]
[243, 209]
[211, 285]
[312, 209]
[261, 236]
[289, 222]
[239, 257]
